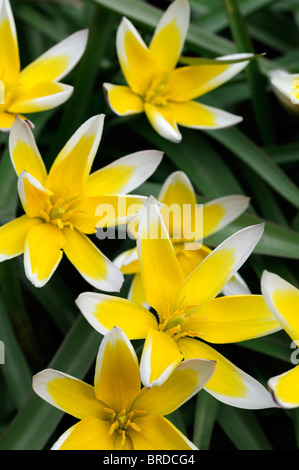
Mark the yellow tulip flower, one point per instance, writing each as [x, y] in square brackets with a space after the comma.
[165, 93]
[117, 414]
[37, 87]
[61, 207]
[176, 194]
[282, 299]
[187, 310]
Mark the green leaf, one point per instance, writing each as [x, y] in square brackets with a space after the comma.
[242, 428]
[257, 159]
[15, 369]
[276, 240]
[204, 420]
[35, 423]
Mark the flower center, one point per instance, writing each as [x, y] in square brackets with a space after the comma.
[157, 92]
[174, 324]
[122, 422]
[59, 212]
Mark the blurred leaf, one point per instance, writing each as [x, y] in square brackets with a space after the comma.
[205, 419]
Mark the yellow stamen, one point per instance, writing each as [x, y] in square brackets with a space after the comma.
[113, 427]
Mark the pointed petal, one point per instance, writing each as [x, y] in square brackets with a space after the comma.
[117, 380]
[179, 205]
[209, 278]
[160, 356]
[185, 381]
[160, 270]
[169, 37]
[285, 388]
[71, 168]
[89, 434]
[287, 85]
[123, 175]
[232, 318]
[9, 51]
[198, 116]
[220, 212]
[282, 299]
[128, 261]
[13, 235]
[229, 384]
[24, 153]
[104, 312]
[106, 211]
[157, 433]
[122, 100]
[93, 266]
[68, 394]
[177, 189]
[57, 62]
[136, 61]
[189, 258]
[43, 252]
[40, 97]
[32, 194]
[6, 121]
[188, 83]
[162, 120]
[136, 292]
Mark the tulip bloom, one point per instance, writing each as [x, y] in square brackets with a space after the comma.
[283, 300]
[37, 87]
[61, 207]
[187, 311]
[180, 210]
[286, 87]
[117, 414]
[165, 93]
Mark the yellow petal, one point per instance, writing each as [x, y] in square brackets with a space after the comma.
[136, 292]
[122, 100]
[6, 121]
[285, 388]
[55, 63]
[128, 262]
[232, 318]
[123, 175]
[13, 235]
[88, 434]
[161, 273]
[157, 433]
[220, 212]
[229, 384]
[117, 380]
[134, 57]
[170, 35]
[208, 279]
[43, 252]
[189, 258]
[160, 356]
[9, 51]
[24, 153]
[104, 312]
[179, 207]
[198, 116]
[69, 394]
[283, 300]
[33, 195]
[162, 120]
[185, 381]
[71, 168]
[96, 269]
[187, 83]
[40, 97]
